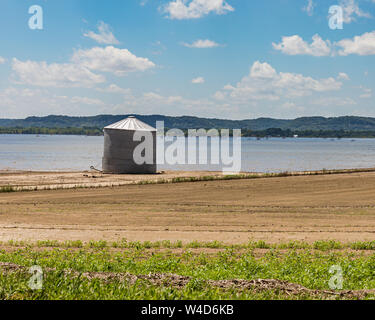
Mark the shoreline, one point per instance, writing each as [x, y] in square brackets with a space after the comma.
[17, 181]
[257, 137]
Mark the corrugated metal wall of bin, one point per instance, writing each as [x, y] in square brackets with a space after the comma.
[119, 147]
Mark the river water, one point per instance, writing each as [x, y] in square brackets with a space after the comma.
[50, 153]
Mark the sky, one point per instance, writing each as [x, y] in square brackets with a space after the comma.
[233, 59]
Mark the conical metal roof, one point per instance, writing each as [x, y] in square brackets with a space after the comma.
[132, 124]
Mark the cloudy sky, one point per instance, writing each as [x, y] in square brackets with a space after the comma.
[234, 59]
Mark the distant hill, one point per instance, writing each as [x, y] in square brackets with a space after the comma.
[348, 123]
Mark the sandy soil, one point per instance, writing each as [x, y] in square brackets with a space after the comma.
[340, 207]
[68, 180]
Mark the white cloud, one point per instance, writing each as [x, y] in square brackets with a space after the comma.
[334, 102]
[262, 70]
[105, 35]
[265, 83]
[23, 102]
[198, 80]
[53, 75]
[153, 102]
[260, 96]
[218, 95]
[351, 10]
[263, 92]
[79, 72]
[295, 45]
[86, 100]
[2, 60]
[288, 105]
[343, 76]
[110, 59]
[202, 44]
[114, 88]
[366, 96]
[184, 9]
[367, 93]
[309, 7]
[152, 96]
[362, 45]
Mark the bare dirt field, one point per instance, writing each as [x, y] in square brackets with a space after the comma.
[308, 208]
[31, 180]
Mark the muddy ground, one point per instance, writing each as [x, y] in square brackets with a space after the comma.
[308, 208]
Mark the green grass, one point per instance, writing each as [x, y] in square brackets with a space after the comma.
[308, 267]
[58, 287]
[5, 189]
[321, 245]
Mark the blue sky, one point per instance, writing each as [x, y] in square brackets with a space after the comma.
[235, 59]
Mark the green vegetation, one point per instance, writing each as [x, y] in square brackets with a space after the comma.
[53, 131]
[272, 132]
[131, 270]
[5, 189]
[349, 123]
[288, 133]
[57, 286]
[321, 245]
[339, 127]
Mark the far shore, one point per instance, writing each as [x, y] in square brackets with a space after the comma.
[246, 133]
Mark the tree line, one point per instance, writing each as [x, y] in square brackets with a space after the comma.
[271, 132]
[86, 131]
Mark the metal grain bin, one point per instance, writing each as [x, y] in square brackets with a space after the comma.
[119, 146]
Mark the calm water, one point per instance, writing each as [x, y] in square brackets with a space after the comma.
[29, 152]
